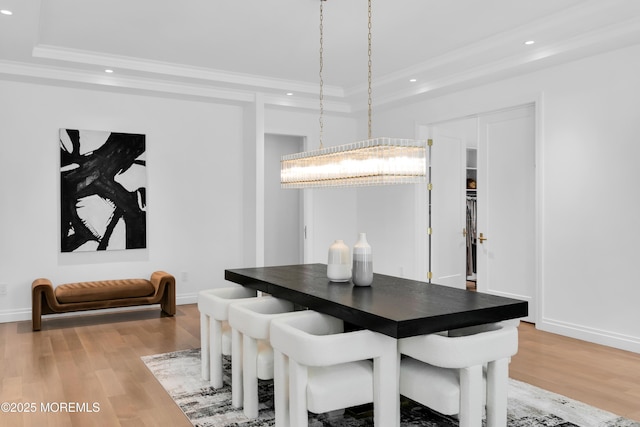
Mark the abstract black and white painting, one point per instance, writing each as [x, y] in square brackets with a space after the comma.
[103, 190]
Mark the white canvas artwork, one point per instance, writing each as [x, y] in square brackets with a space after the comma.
[103, 185]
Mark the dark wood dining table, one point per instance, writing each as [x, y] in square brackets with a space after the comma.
[393, 306]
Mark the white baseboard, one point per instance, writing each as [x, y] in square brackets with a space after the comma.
[22, 314]
[597, 336]
[7, 316]
[187, 299]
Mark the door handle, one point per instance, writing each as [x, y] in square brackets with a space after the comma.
[481, 238]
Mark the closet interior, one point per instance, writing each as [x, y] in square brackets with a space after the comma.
[471, 229]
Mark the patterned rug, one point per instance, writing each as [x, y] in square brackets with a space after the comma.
[529, 406]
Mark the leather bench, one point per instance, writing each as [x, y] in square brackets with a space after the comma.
[159, 289]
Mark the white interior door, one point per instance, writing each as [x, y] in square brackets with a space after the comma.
[506, 205]
[448, 207]
[283, 211]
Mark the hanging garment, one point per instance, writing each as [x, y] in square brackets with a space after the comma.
[471, 234]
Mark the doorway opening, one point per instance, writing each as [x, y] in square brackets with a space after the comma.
[283, 209]
[484, 203]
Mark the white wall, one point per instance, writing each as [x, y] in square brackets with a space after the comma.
[331, 212]
[342, 213]
[388, 215]
[589, 150]
[283, 235]
[194, 178]
[201, 209]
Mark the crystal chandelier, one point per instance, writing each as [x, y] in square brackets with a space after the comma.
[375, 161]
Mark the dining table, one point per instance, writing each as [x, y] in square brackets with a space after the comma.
[393, 306]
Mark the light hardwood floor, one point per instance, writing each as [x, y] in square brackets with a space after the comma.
[96, 358]
[598, 375]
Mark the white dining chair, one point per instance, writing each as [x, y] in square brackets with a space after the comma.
[252, 355]
[215, 333]
[460, 371]
[319, 368]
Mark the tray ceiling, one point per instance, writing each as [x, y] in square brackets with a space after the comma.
[235, 49]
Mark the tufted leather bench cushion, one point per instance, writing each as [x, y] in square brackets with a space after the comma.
[160, 288]
[104, 290]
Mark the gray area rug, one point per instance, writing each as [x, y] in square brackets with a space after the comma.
[529, 406]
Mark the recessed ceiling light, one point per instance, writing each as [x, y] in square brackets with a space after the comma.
[289, 93]
[529, 42]
[413, 80]
[108, 71]
[6, 12]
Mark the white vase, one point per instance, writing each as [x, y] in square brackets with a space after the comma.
[339, 265]
[362, 262]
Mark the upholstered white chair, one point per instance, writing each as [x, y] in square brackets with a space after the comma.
[459, 371]
[215, 333]
[252, 355]
[320, 368]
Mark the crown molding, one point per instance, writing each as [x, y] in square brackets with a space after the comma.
[53, 74]
[179, 71]
[191, 90]
[308, 104]
[443, 70]
[447, 73]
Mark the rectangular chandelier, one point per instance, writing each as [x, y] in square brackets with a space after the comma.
[377, 161]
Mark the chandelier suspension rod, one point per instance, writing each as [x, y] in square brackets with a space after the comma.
[369, 68]
[321, 120]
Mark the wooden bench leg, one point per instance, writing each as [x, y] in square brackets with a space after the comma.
[36, 310]
[168, 303]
